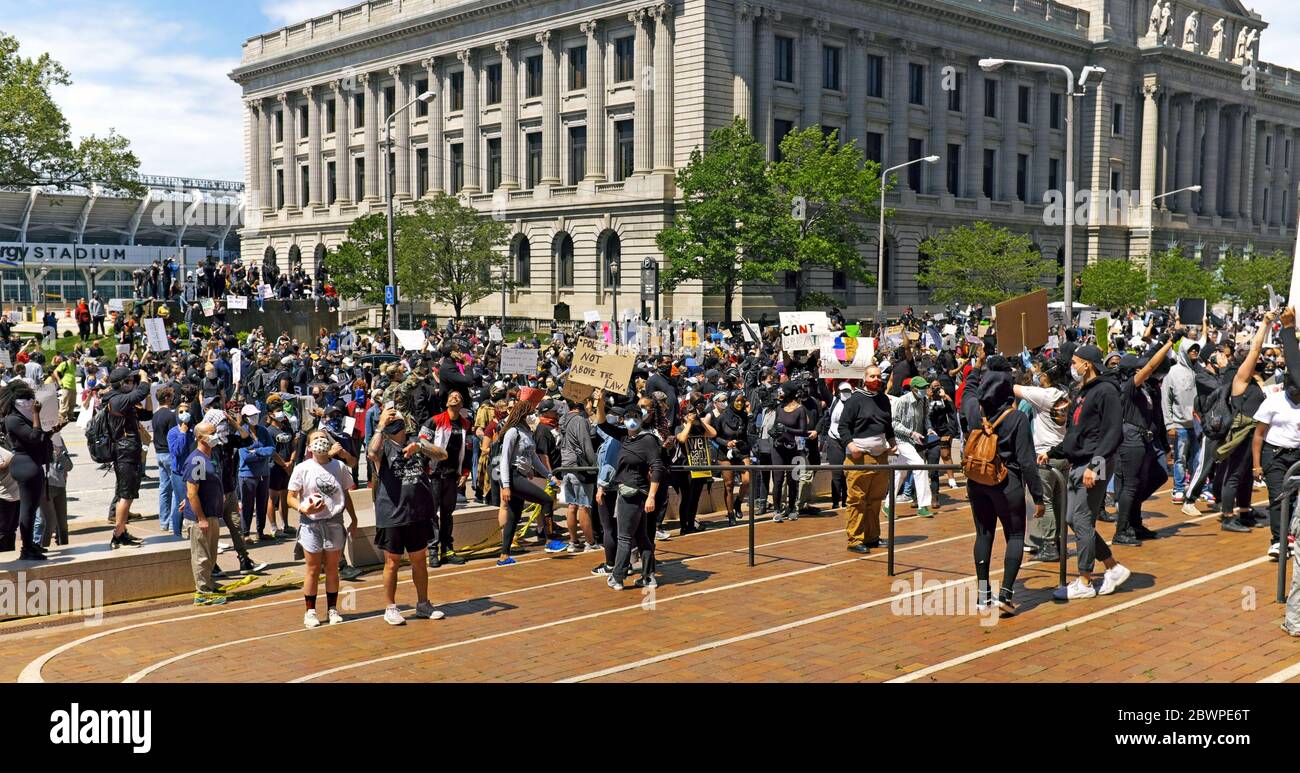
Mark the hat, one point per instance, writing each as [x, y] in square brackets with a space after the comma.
[845, 386]
[547, 406]
[348, 362]
[119, 375]
[286, 360]
[919, 383]
[1089, 353]
[251, 410]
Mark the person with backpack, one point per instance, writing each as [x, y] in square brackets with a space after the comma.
[124, 414]
[516, 463]
[1000, 463]
[1139, 473]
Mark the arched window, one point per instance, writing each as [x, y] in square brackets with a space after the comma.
[270, 263]
[564, 262]
[923, 261]
[611, 260]
[295, 258]
[318, 258]
[523, 262]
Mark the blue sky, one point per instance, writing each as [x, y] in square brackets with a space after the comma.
[156, 71]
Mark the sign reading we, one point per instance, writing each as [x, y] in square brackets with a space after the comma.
[603, 368]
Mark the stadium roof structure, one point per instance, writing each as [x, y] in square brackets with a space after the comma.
[176, 212]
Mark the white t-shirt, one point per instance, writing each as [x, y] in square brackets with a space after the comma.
[332, 481]
[1047, 433]
[1283, 420]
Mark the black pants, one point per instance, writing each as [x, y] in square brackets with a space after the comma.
[253, 493]
[30, 477]
[839, 488]
[8, 525]
[763, 480]
[633, 531]
[1140, 475]
[609, 524]
[786, 481]
[1276, 461]
[98, 326]
[1238, 485]
[690, 504]
[522, 491]
[84, 329]
[444, 503]
[991, 504]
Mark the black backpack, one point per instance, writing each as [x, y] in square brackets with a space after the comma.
[99, 438]
[1217, 420]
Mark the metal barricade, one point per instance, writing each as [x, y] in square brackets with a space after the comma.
[1284, 530]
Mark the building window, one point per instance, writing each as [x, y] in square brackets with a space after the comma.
[304, 178]
[533, 77]
[954, 94]
[780, 129]
[457, 168]
[578, 68]
[1287, 157]
[1268, 149]
[611, 256]
[1054, 104]
[331, 116]
[1022, 104]
[954, 169]
[923, 261]
[533, 153]
[523, 263]
[492, 77]
[304, 125]
[331, 183]
[990, 98]
[829, 131]
[456, 85]
[1264, 216]
[564, 262]
[358, 111]
[1117, 120]
[916, 83]
[390, 102]
[624, 60]
[831, 67]
[791, 280]
[577, 154]
[990, 171]
[915, 149]
[623, 158]
[421, 107]
[875, 76]
[874, 151]
[839, 280]
[1054, 174]
[421, 171]
[784, 59]
[1022, 176]
[279, 189]
[279, 126]
[494, 163]
[359, 178]
[1115, 179]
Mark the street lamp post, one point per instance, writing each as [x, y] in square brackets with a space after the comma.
[880, 254]
[426, 97]
[613, 280]
[1151, 212]
[1086, 77]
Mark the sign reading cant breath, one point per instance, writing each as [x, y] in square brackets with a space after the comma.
[601, 367]
[803, 330]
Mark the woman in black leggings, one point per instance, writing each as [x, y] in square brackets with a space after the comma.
[794, 429]
[32, 448]
[519, 463]
[639, 475]
[1004, 502]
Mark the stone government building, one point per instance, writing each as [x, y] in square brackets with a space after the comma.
[569, 118]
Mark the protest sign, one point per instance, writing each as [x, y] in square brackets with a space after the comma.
[1022, 322]
[609, 370]
[1089, 317]
[209, 307]
[156, 333]
[234, 302]
[237, 366]
[48, 396]
[411, 340]
[846, 357]
[113, 305]
[803, 330]
[591, 317]
[494, 334]
[519, 361]
[575, 392]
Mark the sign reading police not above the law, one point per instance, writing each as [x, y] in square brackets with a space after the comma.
[606, 367]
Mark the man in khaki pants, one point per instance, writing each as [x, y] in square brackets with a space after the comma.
[204, 498]
[866, 426]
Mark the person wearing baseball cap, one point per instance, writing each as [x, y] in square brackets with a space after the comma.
[129, 390]
[911, 426]
[1092, 439]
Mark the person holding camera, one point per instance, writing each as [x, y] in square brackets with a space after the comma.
[732, 436]
[695, 437]
[639, 475]
[128, 391]
[1139, 474]
[319, 490]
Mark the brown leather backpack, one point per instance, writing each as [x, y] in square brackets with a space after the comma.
[980, 459]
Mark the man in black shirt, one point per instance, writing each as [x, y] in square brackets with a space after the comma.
[866, 428]
[128, 390]
[169, 498]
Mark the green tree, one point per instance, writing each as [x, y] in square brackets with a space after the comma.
[1113, 285]
[827, 195]
[452, 253]
[359, 267]
[1243, 277]
[1174, 276]
[36, 147]
[723, 231]
[980, 263]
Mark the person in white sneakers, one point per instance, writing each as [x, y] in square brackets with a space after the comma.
[318, 490]
[1092, 438]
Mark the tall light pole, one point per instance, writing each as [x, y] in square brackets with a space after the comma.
[613, 280]
[880, 254]
[426, 97]
[1089, 75]
[1151, 211]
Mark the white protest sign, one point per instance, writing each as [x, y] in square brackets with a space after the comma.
[349, 424]
[411, 340]
[209, 307]
[156, 332]
[115, 304]
[591, 317]
[237, 366]
[236, 302]
[123, 349]
[803, 330]
[494, 334]
[48, 397]
[850, 360]
[519, 361]
[17, 316]
[265, 291]
[5, 360]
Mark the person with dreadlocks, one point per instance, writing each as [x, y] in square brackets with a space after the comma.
[659, 422]
[518, 464]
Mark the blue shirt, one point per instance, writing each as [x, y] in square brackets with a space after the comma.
[255, 459]
[199, 469]
[179, 445]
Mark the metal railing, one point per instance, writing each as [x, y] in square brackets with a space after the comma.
[1290, 485]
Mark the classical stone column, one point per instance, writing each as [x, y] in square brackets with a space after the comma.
[763, 74]
[254, 175]
[938, 125]
[1010, 133]
[1043, 138]
[401, 134]
[1262, 128]
[551, 110]
[289, 152]
[371, 86]
[1169, 120]
[1278, 176]
[858, 89]
[742, 87]
[471, 138]
[1249, 147]
[1210, 164]
[265, 138]
[1186, 146]
[342, 142]
[1232, 185]
[1292, 203]
[663, 83]
[812, 72]
[643, 120]
[1150, 139]
[509, 116]
[436, 148]
[975, 132]
[596, 130]
[900, 113]
[314, 198]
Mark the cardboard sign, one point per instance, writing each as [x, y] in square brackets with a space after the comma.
[591, 317]
[156, 333]
[607, 370]
[691, 339]
[209, 306]
[237, 366]
[234, 302]
[494, 334]
[48, 396]
[519, 361]
[113, 305]
[1022, 322]
[1191, 311]
[843, 358]
[803, 330]
[575, 392]
[1103, 338]
[411, 340]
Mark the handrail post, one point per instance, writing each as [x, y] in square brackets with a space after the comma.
[1283, 535]
[753, 506]
[1063, 495]
[892, 507]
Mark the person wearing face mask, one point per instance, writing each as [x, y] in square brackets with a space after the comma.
[285, 441]
[169, 498]
[180, 443]
[731, 427]
[1051, 404]
[1275, 445]
[911, 418]
[1233, 452]
[204, 498]
[866, 424]
[319, 490]
[793, 431]
[32, 450]
[518, 464]
[254, 473]
[639, 474]
[942, 415]
[1138, 474]
[211, 387]
[125, 413]
[228, 437]
[1178, 402]
[1091, 443]
[662, 381]
[449, 431]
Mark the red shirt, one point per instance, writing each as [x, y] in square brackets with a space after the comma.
[358, 411]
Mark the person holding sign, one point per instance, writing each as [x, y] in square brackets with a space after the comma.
[694, 436]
